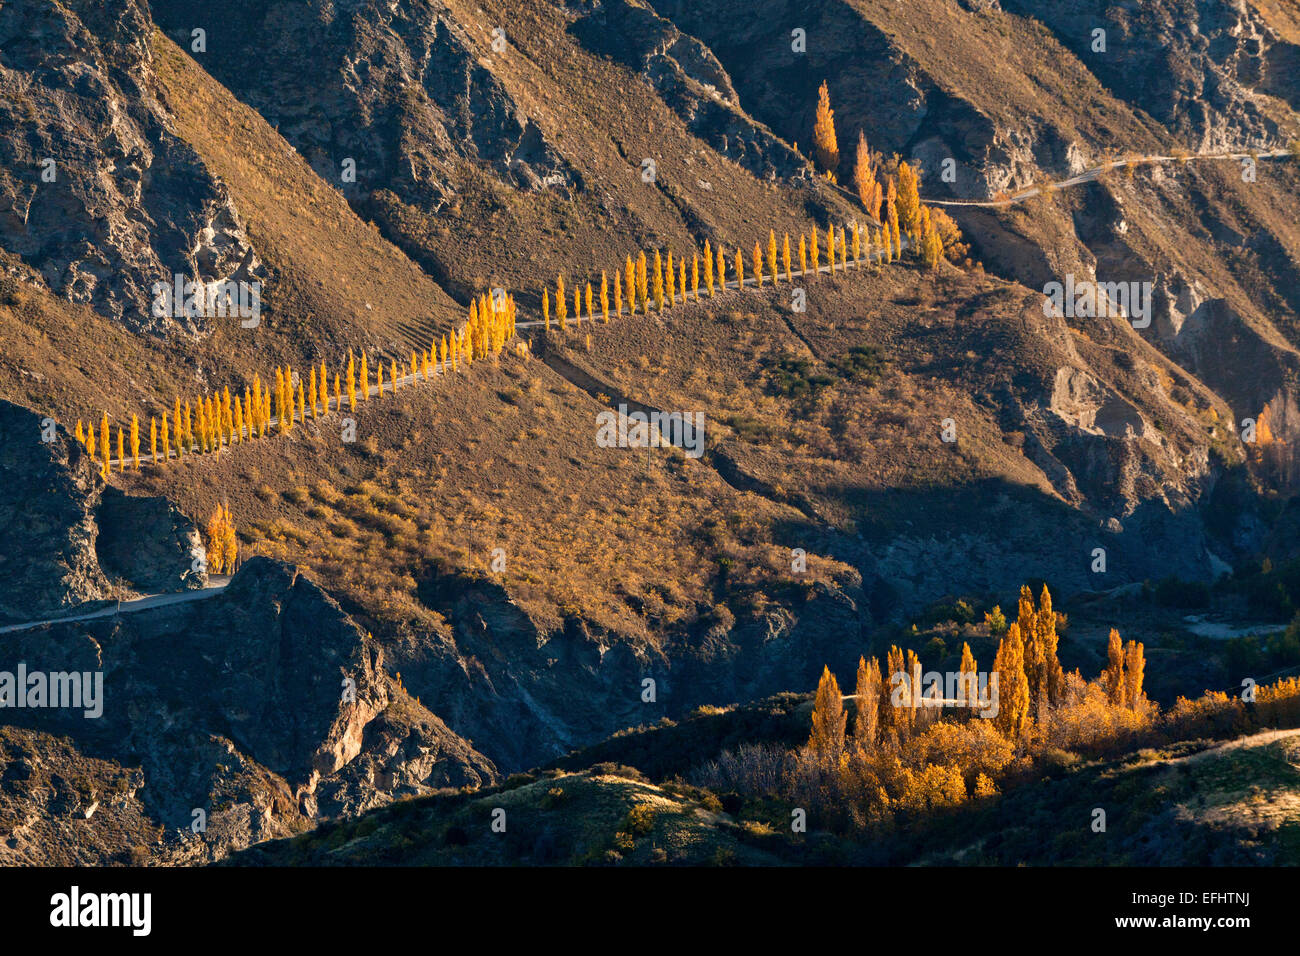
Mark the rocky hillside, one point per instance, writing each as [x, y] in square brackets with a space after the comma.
[895, 437]
[1198, 804]
[260, 705]
[75, 538]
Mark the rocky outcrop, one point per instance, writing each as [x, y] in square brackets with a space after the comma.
[401, 89]
[148, 543]
[690, 79]
[1195, 65]
[525, 695]
[97, 193]
[71, 537]
[48, 493]
[242, 706]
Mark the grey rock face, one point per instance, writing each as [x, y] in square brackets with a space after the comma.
[242, 705]
[524, 696]
[1194, 65]
[398, 88]
[96, 190]
[69, 533]
[48, 493]
[689, 78]
[147, 542]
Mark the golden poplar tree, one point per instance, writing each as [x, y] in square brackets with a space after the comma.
[1053, 674]
[1113, 676]
[864, 179]
[658, 281]
[379, 376]
[908, 203]
[135, 441]
[830, 246]
[708, 267]
[90, 443]
[238, 420]
[828, 720]
[894, 711]
[740, 270]
[1013, 687]
[604, 297]
[816, 252]
[695, 276]
[618, 294]
[153, 437]
[546, 309]
[968, 678]
[913, 668]
[629, 275]
[722, 269]
[1134, 670]
[104, 450]
[785, 257]
[681, 279]
[642, 283]
[1027, 619]
[891, 222]
[670, 279]
[221, 543]
[312, 396]
[771, 255]
[364, 390]
[803, 255]
[577, 306]
[758, 264]
[338, 394]
[561, 304]
[931, 245]
[166, 439]
[589, 297]
[81, 434]
[121, 450]
[824, 143]
[866, 714]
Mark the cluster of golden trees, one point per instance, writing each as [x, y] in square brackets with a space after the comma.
[222, 548]
[895, 204]
[907, 754]
[217, 420]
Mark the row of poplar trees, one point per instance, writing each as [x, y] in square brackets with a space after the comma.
[895, 206]
[648, 284]
[219, 419]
